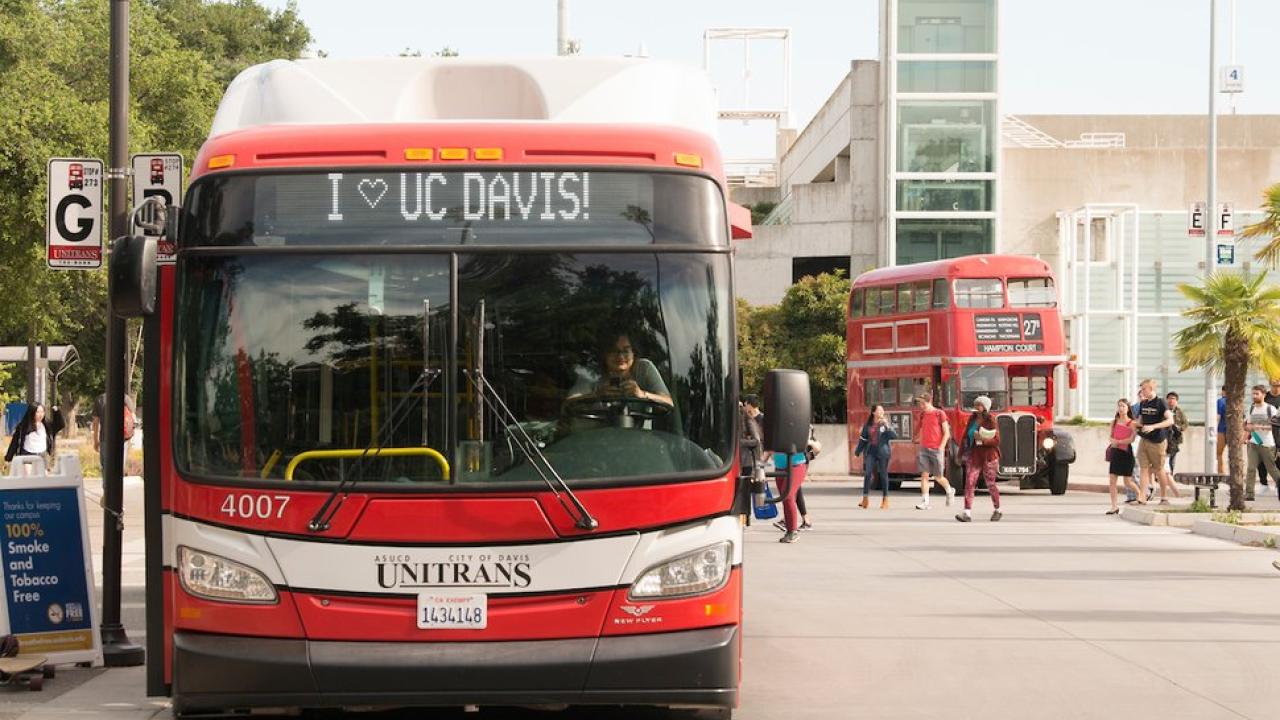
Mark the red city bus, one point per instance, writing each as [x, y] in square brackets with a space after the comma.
[449, 407]
[957, 329]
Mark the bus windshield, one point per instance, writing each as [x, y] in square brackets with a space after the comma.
[989, 380]
[615, 365]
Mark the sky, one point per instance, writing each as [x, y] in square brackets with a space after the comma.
[1056, 56]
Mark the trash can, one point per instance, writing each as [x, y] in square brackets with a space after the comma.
[13, 413]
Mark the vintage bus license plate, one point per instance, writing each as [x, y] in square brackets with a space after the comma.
[437, 611]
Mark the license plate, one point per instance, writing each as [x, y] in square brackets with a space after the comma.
[437, 611]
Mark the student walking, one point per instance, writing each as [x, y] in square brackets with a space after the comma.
[1154, 419]
[933, 436]
[1120, 458]
[873, 445]
[1222, 430]
[789, 488]
[1259, 420]
[980, 447]
[1176, 431]
[1272, 398]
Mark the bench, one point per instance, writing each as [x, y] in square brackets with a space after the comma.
[1203, 480]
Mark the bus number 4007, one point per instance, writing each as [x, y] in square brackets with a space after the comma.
[261, 507]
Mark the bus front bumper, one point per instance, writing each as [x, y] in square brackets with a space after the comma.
[688, 668]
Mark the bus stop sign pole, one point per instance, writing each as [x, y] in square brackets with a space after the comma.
[117, 650]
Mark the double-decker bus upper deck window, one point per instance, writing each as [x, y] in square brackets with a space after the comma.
[941, 298]
[905, 303]
[871, 307]
[888, 300]
[922, 295]
[856, 303]
[430, 206]
[979, 293]
[989, 380]
[1032, 292]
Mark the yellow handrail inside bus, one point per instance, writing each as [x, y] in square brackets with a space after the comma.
[374, 452]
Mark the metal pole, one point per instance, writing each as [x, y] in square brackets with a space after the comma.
[1231, 9]
[1211, 237]
[562, 27]
[117, 650]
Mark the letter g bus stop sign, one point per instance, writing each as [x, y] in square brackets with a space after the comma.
[73, 231]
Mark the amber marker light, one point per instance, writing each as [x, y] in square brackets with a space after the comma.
[217, 162]
[488, 153]
[419, 154]
[453, 153]
[688, 160]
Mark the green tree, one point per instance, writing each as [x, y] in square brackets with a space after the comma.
[1235, 326]
[806, 331]
[54, 60]
[231, 36]
[1268, 227]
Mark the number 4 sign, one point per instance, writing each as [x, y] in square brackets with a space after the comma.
[1231, 79]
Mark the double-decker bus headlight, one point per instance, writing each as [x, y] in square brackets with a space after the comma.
[1047, 443]
[216, 578]
[697, 572]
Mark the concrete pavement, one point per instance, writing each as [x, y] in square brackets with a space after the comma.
[1055, 612]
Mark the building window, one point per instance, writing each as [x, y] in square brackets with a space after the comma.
[947, 26]
[944, 195]
[955, 136]
[1032, 292]
[946, 76]
[814, 266]
[941, 238]
[979, 293]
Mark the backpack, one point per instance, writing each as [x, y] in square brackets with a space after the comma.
[128, 423]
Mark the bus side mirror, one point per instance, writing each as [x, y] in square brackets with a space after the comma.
[1073, 376]
[787, 410]
[133, 277]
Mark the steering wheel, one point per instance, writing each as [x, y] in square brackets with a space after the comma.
[620, 410]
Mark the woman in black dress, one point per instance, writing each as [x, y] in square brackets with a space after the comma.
[1120, 451]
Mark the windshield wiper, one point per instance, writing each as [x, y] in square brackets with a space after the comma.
[324, 516]
[529, 448]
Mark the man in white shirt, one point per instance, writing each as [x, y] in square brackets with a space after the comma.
[1261, 444]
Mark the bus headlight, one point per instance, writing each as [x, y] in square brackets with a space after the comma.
[216, 578]
[1047, 443]
[697, 572]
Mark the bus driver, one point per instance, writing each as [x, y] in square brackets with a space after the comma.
[623, 376]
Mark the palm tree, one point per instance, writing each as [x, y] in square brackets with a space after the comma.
[1235, 326]
[1268, 227]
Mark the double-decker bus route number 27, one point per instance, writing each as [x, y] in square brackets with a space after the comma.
[259, 507]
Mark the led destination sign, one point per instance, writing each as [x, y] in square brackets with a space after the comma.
[518, 206]
[483, 196]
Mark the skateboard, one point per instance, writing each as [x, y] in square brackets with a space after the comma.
[29, 670]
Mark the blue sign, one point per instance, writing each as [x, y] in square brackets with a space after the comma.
[42, 548]
[1226, 254]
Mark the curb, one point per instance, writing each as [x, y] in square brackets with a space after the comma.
[1143, 516]
[1237, 533]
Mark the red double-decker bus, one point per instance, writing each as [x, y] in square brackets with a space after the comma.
[448, 392]
[955, 330]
